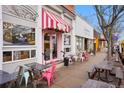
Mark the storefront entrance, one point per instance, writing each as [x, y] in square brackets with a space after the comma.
[52, 26]
[86, 44]
[50, 46]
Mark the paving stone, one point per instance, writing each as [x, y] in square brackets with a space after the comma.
[75, 74]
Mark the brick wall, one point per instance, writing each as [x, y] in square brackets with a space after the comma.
[70, 7]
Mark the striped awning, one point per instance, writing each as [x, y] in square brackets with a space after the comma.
[52, 21]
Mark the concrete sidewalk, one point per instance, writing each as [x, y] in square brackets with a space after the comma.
[75, 74]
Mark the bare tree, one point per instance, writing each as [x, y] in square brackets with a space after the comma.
[107, 17]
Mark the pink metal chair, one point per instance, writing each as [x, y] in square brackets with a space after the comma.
[86, 56]
[48, 74]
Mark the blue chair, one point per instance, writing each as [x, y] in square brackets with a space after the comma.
[26, 76]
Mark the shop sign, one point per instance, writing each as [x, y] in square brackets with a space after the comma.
[22, 11]
[115, 38]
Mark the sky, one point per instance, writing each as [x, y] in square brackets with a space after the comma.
[88, 13]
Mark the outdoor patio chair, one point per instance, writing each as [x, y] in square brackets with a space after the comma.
[25, 75]
[49, 74]
[18, 76]
[18, 73]
[36, 79]
[86, 56]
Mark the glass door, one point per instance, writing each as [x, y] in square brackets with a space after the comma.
[54, 46]
[46, 46]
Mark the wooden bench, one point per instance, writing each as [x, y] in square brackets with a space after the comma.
[119, 75]
[92, 72]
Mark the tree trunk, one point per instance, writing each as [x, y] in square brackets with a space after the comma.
[109, 54]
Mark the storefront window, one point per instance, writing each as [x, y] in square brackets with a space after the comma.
[33, 53]
[14, 34]
[67, 40]
[7, 56]
[67, 49]
[21, 55]
[18, 55]
[79, 43]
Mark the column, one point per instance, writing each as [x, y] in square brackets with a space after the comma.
[51, 46]
[1, 38]
[73, 38]
[59, 40]
[39, 36]
[62, 40]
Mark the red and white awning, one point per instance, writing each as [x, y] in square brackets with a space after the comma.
[52, 21]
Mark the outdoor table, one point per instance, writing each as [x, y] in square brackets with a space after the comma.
[36, 66]
[97, 84]
[107, 67]
[6, 77]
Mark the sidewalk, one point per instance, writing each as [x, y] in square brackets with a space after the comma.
[75, 74]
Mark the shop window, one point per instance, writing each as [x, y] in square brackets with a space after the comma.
[79, 43]
[21, 55]
[67, 40]
[14, 34]
[7, 56]
[67, 49]
[33, 53]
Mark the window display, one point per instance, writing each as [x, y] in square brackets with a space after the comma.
[33, 53]
[20, 55]
[67, 49]
[7, 56]
[67, 40]
[14, 34]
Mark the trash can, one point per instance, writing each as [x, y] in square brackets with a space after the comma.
[66, 61]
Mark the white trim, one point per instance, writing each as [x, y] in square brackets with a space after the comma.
[21, 60]
[1, 37]
[17, 17]
[49, 22]
[54, 23]
[21, 46]
[44, 20]
[17, 48]
[38, 36]
[15, 20]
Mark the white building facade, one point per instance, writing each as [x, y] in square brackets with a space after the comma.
[62, 38]
[83, 35]
[39, 34]
[28, 32]
[18, 36]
